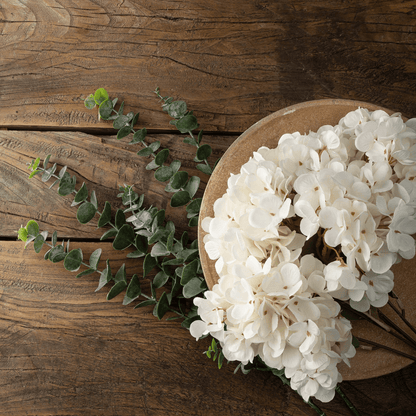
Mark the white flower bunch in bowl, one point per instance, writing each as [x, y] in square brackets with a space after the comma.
[318, 218]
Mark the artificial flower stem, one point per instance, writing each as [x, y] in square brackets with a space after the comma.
[402, 317]
[397, 328]
[347, 401]
[316, 408]
[385, 347]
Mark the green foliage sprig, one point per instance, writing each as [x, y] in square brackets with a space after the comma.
[183, 186]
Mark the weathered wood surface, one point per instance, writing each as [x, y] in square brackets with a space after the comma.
[102, 162]
[65, 350]
[234, 62]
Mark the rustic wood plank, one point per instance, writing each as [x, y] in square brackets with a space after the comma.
[104, 163]
[234, 62]
[65, 350]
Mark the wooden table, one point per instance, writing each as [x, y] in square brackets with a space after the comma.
[65, 350]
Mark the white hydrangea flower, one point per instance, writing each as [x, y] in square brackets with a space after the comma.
[346, 193]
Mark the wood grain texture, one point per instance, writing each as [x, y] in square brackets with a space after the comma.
[234, 62]
[103, 163]
[65, 350]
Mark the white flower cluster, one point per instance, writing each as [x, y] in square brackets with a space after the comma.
[351, 188]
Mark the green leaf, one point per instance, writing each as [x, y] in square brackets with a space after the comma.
[164, 173]
[141, 243]
[135, 254]
[105, 277]
[57, 254]
[204, 168]
[108, 234]
[86, 212]
[105, 109]
[82, 194]
[189, 271]
[85, 272]
[134, 120]
[146, 151]
[162, 306]
[67, 184]
[121, 274]
[192, 288]
[100, 96]
[161, 157]
[47, 174]
[32, 228]
[152, 165]
[73, 260]
[46, 161]
[95, 258]
[172, 262]
[93, 199]
[179, 199]
[169, 242]
[188, 254]
[355, 342]
[121, 109]
[193, 222]
[194, 206]
[177, 109]
[133, 290]
[54, 238]
[175, 165]
[160, 279]
[157, 236]
[116, 289]
[155, 145]
[120, 219]
[124, 238]
[190, 140]
[159, 249]
[179, 180]
[148, 264]
[145, 303]
[105, 216]
[187, 123]
[62, 172]
[123, 132]
[38, 243]
[139, 136]
[89, 102]
[35, 172]
[204, 152]
[22, 234]
[120, 122]
[200, 136]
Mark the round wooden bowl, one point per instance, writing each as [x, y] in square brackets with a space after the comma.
[304, 117]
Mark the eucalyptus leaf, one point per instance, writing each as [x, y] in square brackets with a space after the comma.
[82, 194]
[200, 136]
[160, 279]
[93, 199]
[124, 238]
[85, 272]
[177, 109]
[105, 216]
[179, 199]
[189, 271]
[38, 243]
[67, 184]
[146, 151]
[148, 264]
[133, 290]
[145, 303]
[121, 274]
[172, 262]
[135, 119]
[152, 165]
[135, 254]
[204, 152]
[161, 157]
[193, 222]
[159, 249]
[100, 96]
[194, 206]
[108, 234]
[86, 212]
[120, 219]
[57, 254]
[105, 109]
[120, 122]
[105, 277]
[32, 228]
[141, 243]
[73, 260]
[139, 136]
[116, 289]
[95, 258]
[192, 288]
[123, 132]
[179, 180]
[204, 168]
[89, 102]
[187, 123]
[164, 173]
[162, 306]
